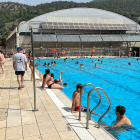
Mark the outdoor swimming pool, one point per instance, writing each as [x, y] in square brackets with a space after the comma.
[120, 81]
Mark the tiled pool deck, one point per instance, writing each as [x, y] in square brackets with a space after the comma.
[52, 121]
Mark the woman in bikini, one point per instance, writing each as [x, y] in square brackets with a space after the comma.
[47, 79]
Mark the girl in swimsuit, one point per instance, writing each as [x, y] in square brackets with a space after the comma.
[48, 80]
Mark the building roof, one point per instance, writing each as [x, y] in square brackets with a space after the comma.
[80, 15]
[89, 13]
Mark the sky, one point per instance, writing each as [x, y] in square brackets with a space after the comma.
[35, 2]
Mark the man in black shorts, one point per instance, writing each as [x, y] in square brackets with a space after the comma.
[19, 65]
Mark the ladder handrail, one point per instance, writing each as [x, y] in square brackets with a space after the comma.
[96, 88]
[107, 109]
[96, 105]
[81, 97]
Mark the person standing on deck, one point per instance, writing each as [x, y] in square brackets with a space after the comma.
[93, 51]
[2, 62]
[11, 53]
[19, 65]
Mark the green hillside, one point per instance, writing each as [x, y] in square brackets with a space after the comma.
[13, 13]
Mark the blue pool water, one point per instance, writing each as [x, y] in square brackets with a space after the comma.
[120, 81]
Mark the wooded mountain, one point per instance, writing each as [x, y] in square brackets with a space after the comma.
[98, 0]
[13, 13]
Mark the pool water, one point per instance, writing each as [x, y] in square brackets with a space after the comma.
[120, 81]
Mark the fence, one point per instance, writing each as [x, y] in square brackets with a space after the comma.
[74, 51]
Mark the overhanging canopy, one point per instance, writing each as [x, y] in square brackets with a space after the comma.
[112, 38]
[131, 38]
[44, 38]
[85, 38]
[90, 38]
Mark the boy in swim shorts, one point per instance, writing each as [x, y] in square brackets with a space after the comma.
[76, 100]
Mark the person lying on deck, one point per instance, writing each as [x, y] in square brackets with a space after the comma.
[76, 100]
[121, 118]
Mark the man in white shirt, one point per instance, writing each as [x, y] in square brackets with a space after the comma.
[19, 65]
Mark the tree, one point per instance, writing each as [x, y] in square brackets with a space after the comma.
[4, 36]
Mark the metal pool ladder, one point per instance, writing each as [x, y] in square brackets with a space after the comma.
[89, 115]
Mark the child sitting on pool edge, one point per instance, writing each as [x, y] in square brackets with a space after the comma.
[76, 100]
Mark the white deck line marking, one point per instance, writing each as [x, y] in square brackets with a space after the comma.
[74, 123]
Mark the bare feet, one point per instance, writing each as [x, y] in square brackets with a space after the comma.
[43, 89]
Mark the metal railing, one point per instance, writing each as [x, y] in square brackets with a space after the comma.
[89, 115]
[81, 97]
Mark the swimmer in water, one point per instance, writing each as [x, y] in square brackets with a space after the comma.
[65, 84]
[121, 118]
[129, 63]
[81, 66]
[49, 64]
[101, 62]
[95, 65]
[98, 58]
[54, 63]
[92, 61]
[72, 59]
[77, 62]
[38, 59]
[138, 60]
[45, 64]
[65, 60]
